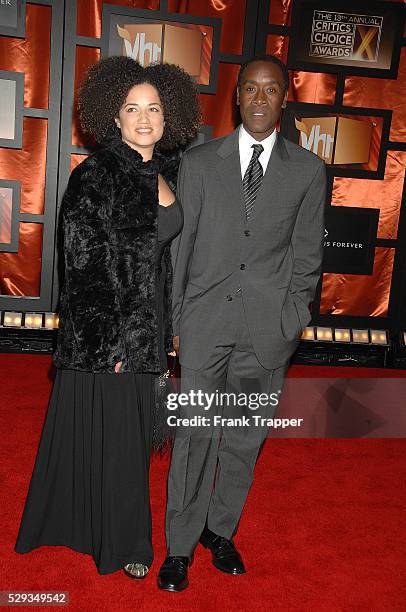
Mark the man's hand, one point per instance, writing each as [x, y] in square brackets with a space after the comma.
[117, 367]
[175, 343]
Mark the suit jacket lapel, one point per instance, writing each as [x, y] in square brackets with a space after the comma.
[229, 171]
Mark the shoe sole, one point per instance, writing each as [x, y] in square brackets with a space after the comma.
[173, 589]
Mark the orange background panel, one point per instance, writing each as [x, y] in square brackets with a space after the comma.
[31, 55]
[277, 45]
[312, 87]
[231, 12]
[75, 160]
[85, 57]
[381, 93]
[28, 165]
[356, 295]
[20, 273]
[385, 195]
[280, 12]
[89, 13]
[219, 109]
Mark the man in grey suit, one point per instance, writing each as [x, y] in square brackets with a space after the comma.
[246, 268]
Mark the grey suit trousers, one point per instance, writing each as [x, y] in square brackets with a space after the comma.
[212, 466]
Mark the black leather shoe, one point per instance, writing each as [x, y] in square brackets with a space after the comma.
[224, 554]
[173, 574]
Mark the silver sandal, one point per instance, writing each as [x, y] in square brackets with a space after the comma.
[136, 570]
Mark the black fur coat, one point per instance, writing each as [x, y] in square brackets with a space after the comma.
[110, 229]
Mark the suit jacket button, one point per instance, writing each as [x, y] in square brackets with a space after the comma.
[229, 298]
[242, 267]
[247, 233]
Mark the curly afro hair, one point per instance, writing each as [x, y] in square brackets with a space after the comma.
[106, 86]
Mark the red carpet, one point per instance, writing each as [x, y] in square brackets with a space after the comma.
[324, 527]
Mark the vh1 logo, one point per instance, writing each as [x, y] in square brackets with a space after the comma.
[163, 42]
[336, 140]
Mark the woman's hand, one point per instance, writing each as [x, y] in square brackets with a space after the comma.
[117, 367]
[175, 342]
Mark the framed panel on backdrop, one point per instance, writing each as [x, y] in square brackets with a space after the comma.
[191, 42]
[9, 207]
[12, 18]
[349, 37]
[350, 140]
[12, 107]
[349, 240]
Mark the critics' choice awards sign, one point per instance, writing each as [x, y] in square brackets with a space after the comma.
[345, 35]
[349, 240]
[334, 34]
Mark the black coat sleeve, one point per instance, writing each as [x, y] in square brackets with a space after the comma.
[90, 281]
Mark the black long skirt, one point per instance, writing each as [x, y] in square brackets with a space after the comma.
[90, 487]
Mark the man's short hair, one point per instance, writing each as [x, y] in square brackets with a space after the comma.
[266, 58]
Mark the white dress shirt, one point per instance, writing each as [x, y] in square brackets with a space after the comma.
[245, 145]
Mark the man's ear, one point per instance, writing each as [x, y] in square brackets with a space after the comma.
[238, 97]
[285, 100]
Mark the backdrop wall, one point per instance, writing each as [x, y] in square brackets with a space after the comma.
[43, 56]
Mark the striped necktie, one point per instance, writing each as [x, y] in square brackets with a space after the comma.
[252, 180]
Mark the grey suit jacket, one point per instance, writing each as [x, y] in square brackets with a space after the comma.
[275, 258]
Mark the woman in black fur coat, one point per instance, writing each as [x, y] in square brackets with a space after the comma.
[89, 489]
